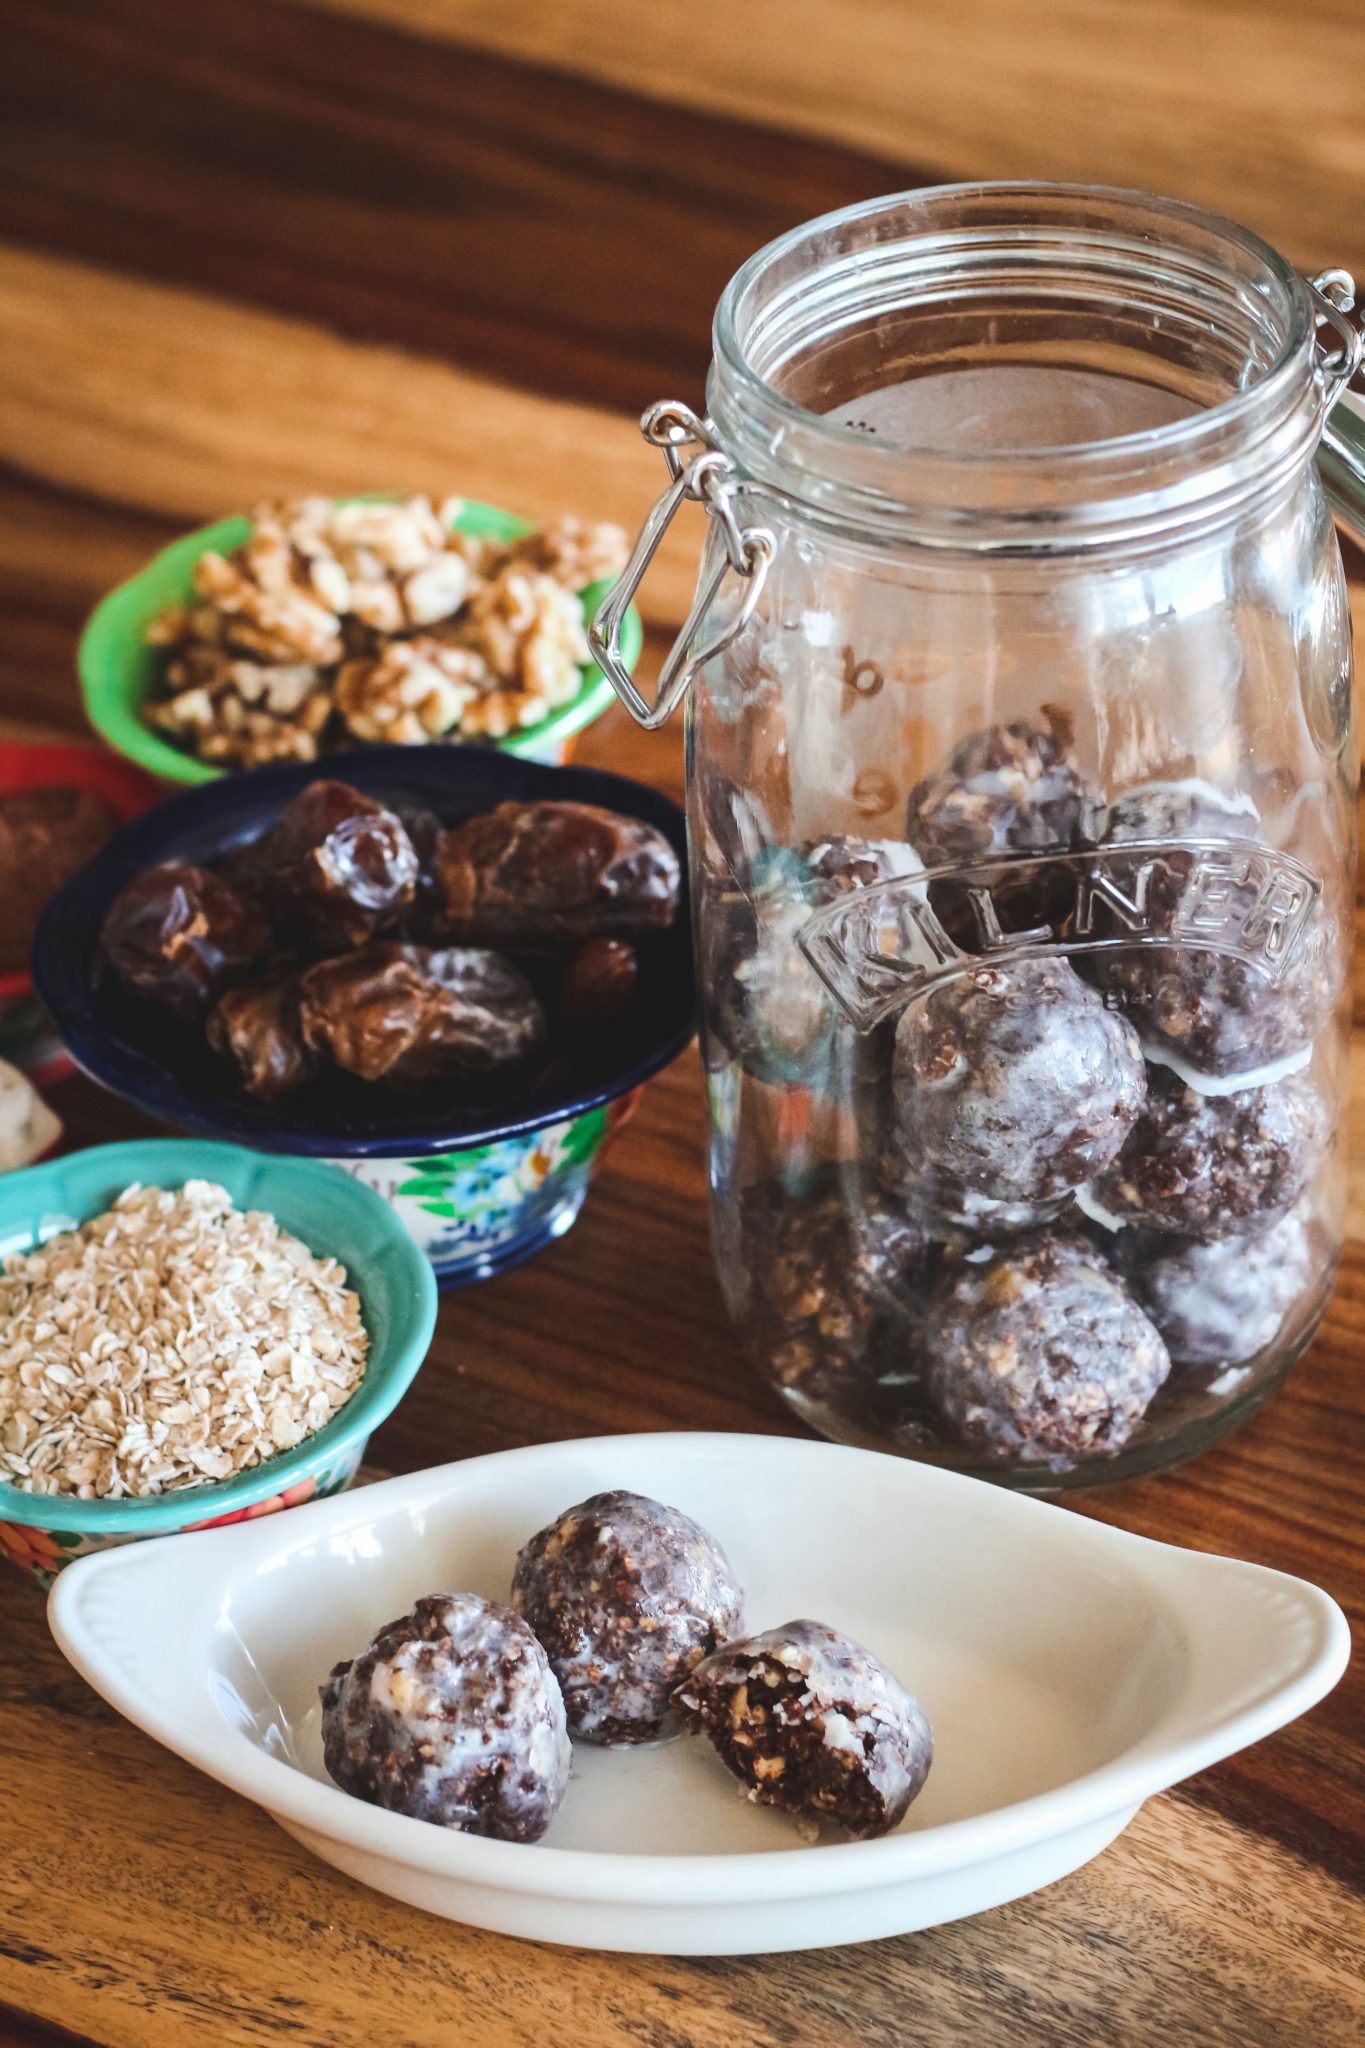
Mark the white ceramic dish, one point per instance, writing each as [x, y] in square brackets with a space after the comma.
[1070, 1671]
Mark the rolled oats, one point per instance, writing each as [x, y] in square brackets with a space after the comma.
[374, 620]
[172, 1340]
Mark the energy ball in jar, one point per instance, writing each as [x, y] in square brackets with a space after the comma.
[1212, 1166]
[833, 1279]
[626, 1596]
[452, 1715]
[1012, 789]
[1014, 1083]
[1209, 1015]
[1220, 1302]
[774, 1012]
[812, 1723]
[1039, 1354]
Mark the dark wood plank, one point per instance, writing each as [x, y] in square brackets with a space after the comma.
[560, 233]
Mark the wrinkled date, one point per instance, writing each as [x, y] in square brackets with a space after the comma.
[403, 1015]
[258, 1027]
[179, 935]
[540, 873]
[340, 866]
[598, 984]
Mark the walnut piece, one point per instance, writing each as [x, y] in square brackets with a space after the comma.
[374, 620]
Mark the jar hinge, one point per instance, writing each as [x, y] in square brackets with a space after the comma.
[708, 478]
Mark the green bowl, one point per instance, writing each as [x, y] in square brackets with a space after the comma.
[332, 1213]
[119, 671]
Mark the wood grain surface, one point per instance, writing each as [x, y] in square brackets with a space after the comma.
[273, 250]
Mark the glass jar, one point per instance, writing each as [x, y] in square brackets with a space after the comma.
[1022, 796]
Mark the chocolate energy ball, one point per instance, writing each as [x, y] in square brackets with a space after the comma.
[1208, 1015]
[452, 1715]
[258, 1026]
[1220, 1302]
[341, 867]
[772, 1009]
[404, 1015]
[1038, 1353]
[812, 1723]
[832, 1279]
[1012, 789]
[46, 834]
[1015, 1083]
[537, 874]
[626, 1597]
[179, 935]
[1214, 1165]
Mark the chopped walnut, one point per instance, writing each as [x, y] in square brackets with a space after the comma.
[373, 620]
[414, 691]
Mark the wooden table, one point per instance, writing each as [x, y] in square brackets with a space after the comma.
[388, 242]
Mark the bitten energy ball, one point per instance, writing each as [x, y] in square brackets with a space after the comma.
[1209, 1015]
[830, 1276]
[1039, 1354]
[813, 1724]
[1214, 1165]
[1015, 1083]
[1220, 1303]
[452, 1715]
[626, 1597]
[179, 935]
[537, 874]
[405, 1016]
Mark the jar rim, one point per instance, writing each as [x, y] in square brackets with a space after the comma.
[1272, 422]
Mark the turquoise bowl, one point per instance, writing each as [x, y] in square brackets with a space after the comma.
[333, 1215]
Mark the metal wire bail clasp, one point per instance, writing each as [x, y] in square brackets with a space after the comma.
[707, 477]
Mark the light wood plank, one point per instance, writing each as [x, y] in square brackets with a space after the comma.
[1246, 105]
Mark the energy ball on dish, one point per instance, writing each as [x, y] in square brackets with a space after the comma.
[1214, 1165]
[179, 935]
[405, 1016]
[1038, 1353]
[1015, 1083]
[341, 867]
[597, 986]
[259, 1027]
[538, 874]
[1210, 1016]
[626, 1597]
[1221, 1302]
[452, 1715]
[774, 1012]
[832, 1280]
[812, 1723]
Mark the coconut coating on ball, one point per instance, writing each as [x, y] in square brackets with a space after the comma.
[626, 1596]
[1215, 1165]
[1221, 1302]
[812, 1723]
[452, 1715]
[1038, 1353]
[1015, 1083]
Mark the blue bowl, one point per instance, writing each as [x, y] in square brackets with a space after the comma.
[333, 1215]
[482, 1184]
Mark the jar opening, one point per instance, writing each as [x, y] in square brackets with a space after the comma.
[1016, 353]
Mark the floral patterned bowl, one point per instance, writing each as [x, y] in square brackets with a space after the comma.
[479, 1188]
[42, 1533]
